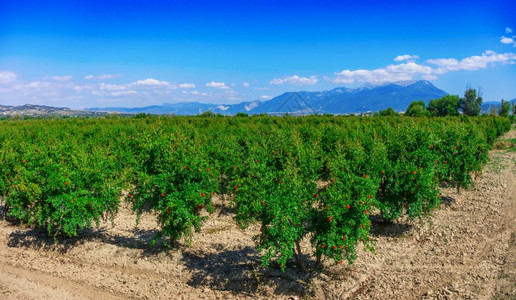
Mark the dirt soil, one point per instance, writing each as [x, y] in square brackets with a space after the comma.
[466, 251]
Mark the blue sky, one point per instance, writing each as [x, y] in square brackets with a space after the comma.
[136, 53]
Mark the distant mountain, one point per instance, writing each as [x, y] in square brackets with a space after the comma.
[397, 95]
[42, 110]
[182, 108]
[336, 101]
[488, 106]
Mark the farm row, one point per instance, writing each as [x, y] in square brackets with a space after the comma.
[314, 177]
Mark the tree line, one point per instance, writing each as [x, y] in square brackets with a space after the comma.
[452, 105]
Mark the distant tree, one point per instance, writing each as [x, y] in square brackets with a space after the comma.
[141, 115]
[260, 115]
[493, 111]
[471, 103]
[241, 114]
[387, 112]
[207, 114]
[417, 109]
[445, 106]
[505, 108]
[112, 116]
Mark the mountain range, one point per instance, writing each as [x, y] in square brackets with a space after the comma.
[368, 98]
[43, 110]
[342, 100]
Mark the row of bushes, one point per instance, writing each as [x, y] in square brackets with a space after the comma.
[316, 178]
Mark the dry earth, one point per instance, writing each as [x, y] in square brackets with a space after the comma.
[467, 251]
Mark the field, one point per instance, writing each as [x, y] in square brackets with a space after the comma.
[419, 207]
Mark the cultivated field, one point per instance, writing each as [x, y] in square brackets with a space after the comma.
[465, 250]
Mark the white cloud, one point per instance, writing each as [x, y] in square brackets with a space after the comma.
[429, 77]
[508, 40]
[406, 57]
[217, 85]
[190, 92]
[112, 87]
[161, 92]
[246, 84]
[79, 88]
[251, 105]
[265, 97]
[108, 76]
[151, 81]
[295, 80]
[122, 93]
[39, 84]
[508, 30]
[276, 81]
[472, 63]
[343, 79]
[411, 70]
[187, 86]
[74, 92]
[38, 91]
[400, 72]
[103, 76]
[149, 84]
[7, 77]
[62, 78]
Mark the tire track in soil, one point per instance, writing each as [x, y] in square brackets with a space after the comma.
[20, 283]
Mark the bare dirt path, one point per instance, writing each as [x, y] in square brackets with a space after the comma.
[21, 283]
[467, 251]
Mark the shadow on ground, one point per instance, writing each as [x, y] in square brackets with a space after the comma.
[385, 228]
[447, 201]
[240, 272]
[38, 239]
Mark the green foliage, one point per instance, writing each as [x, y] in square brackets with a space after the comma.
[112, 116]
[505, 108]
[299, 178]
[470, 104]
[142, 115]
[176, 182]
[56, 185]
[409, 182]
[417, 109]
[389, 112]
[445, 106]
[207, 114]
